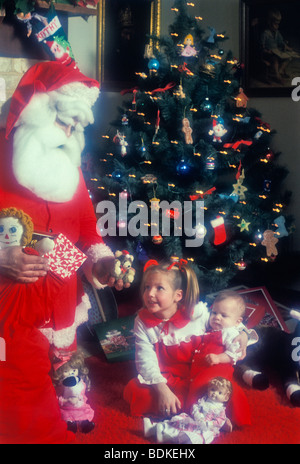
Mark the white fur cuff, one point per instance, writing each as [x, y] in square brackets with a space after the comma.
[95, 253]
[65, 337]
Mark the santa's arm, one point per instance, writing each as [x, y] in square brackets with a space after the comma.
[100, 263]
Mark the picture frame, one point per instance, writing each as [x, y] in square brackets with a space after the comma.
[269, 46]
[123, 26]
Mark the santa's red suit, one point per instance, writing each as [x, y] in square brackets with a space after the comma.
[36, 316]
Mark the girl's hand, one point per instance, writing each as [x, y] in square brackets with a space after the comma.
[168, 403]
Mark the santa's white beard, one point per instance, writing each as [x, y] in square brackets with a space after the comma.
[46, 161]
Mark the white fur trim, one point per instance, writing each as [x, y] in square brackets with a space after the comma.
[95, 253]
[65, 337]
[295, 314]
[81, 92]
[292, 389]
[217, 222]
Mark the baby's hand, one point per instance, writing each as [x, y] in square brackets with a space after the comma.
[212, 359]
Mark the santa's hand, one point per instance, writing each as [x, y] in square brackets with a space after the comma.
[103, 270]
[22, 267]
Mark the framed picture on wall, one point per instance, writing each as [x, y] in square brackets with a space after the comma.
[270, 46]
[123, 26]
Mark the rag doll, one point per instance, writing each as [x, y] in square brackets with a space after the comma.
[71, 381]
[203, 424]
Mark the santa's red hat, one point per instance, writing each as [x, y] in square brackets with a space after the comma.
[45, 77]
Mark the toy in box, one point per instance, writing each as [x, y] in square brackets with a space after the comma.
[117, 339]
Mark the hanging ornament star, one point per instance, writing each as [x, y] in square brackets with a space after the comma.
[239, 189]
[244, 225]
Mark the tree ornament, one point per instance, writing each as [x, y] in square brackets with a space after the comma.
[149, 179]
[189, 49]
[157, 239]
[183, 167]
[218, 130]
[210, 163]
[153, 64]
[211, 38]
[238, 188]
[124, 195]
[155, 204]
[241, 99]
[267, 185]
[244, 225]
[124, 120]
[120, 139]
[219, 228]
[187, 130]
[270, 242]
[200, 231]
[241, 265]
[206, 105]
[258, 236]
[117, 175]
[281, 229]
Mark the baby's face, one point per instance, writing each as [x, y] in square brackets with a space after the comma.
[224, 314]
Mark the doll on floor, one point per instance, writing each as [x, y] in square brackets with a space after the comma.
[202, 426]
[71, 381]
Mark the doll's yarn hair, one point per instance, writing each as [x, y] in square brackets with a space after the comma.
[75, 362]
[236, 297]
[24, 219]
[188, 37]
[222, 383]
[182, 277]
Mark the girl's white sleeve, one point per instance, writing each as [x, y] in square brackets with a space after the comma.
[145, 356]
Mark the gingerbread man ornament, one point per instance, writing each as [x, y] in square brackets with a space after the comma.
[269, 242]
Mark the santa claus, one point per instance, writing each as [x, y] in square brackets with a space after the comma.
[40, 174]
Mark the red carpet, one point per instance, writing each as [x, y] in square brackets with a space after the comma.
[274, 420]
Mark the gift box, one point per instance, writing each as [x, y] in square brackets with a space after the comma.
[66, 258]
[116, 338]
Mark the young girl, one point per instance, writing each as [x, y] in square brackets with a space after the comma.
[168, 331]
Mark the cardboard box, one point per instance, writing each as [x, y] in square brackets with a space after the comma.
[116, 338]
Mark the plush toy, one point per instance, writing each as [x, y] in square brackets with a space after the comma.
[276, 350]
[123, 266]
[70, 378]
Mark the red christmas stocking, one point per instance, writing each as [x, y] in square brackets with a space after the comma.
[219, 228]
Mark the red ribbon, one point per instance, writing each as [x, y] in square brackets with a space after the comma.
[265, 124]
[149, 263]
[238, 174]
[167, 87]
[183, 67]
[179, 264]
[236, 145]
[201, 195]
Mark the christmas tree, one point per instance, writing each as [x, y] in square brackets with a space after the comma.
[187, 150]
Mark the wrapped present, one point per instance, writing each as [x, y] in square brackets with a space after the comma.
[116, 338]
[65, 258]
